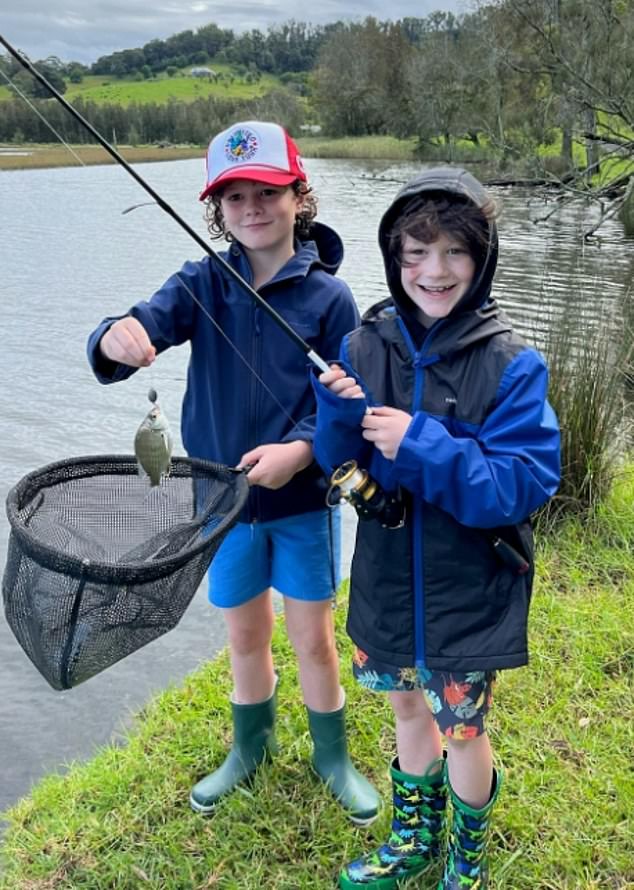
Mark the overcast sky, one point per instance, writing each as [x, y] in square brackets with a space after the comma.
[83, 30]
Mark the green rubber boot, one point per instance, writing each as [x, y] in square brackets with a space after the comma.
[418, 822]
[467, 865]
[332, 764]
[253, 743]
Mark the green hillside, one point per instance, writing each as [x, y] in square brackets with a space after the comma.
[162, 88]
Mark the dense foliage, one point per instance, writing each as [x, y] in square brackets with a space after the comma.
[174, 122]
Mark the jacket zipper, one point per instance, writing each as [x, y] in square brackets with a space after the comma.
[417, 534]
[421, 360]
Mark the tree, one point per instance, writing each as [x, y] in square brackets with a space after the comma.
[441, 83]
[213, 39]
[75, 72]
[359, 85]
[507, 107]
[294, 46]
[30, 86]
[581, 50]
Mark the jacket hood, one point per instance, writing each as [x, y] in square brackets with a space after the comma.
[328, 247]
[454, 181]
[321, 249]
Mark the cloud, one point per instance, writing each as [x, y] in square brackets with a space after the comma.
[83, 30]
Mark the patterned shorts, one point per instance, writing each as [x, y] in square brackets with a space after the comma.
[458, 701]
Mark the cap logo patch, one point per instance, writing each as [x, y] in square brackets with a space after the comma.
[242, 145]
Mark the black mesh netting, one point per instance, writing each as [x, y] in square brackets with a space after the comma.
[101, 563]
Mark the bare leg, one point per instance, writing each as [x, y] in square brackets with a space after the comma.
[250, 628]
[470, 766]
[418, 740]
[311, 631]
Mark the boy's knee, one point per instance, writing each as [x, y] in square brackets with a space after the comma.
[246, 640]
[317, 648]
[409, 705]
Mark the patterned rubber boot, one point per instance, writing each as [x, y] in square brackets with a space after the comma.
[253, 742]
[467, 866]
[332, 763]
[418, 821]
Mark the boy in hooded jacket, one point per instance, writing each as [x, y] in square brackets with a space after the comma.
[249, 403]
[445, 407]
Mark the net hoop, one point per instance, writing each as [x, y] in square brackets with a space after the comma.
[96, 465]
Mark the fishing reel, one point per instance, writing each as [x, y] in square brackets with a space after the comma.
[355, 486]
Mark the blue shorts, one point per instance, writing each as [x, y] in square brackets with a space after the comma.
[298, 555]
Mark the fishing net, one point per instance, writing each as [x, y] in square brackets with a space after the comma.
[100, 563]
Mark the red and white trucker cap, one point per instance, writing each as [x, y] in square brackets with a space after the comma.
[252, 150]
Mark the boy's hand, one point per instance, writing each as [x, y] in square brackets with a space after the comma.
[276, 464]
[127, 343]
[385, 427]
[337, 382]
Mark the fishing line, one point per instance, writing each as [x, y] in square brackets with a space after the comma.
[235, 349]
[229, 270]
[41, 116]
[218, 327]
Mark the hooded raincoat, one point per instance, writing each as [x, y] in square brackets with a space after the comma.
[480, 455]
[246, 379]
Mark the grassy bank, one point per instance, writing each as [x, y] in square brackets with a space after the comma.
[563, 729]
[32, 157]
[359, 147]
[24, 157]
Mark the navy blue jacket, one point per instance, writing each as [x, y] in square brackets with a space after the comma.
[226, 409]
[480, 455]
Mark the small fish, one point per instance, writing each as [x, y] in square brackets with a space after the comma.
[153, 443]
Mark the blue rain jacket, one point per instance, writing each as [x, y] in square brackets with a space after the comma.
[226, 409]
[480, 455]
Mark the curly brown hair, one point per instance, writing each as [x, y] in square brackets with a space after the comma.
[303, 220]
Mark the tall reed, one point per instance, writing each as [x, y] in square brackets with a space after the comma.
[588, 361]
[628, 340]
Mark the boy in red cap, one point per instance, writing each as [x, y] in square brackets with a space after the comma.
[249, 402]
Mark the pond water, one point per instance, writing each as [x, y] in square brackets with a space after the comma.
[70, 257]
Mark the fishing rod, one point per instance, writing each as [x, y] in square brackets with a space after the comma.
[112, 151]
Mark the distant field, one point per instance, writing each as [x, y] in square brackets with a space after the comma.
[25, 157]
[29, 156]
[183, 87]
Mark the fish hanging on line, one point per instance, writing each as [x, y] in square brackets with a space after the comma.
[153, 443]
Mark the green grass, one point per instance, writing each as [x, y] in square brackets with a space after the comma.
[36, 155]
[311, 147]
[361, 147]
[563, 730]
[161, 89]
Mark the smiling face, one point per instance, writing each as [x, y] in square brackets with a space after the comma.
[261, 216]
[437, 275]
